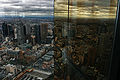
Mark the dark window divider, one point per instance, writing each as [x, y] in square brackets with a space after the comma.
[114, 72]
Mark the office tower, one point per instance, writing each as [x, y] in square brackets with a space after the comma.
[71, 30]
[24, 30]
[64, 30]
[28, 32]
[15, 32]
[28, 28]
[33, 36]
[1, 36]
[10, 30]
[21, 34]
[37, 34]
[68, 30]
[5, 29]
[50, 35]
[43, 32]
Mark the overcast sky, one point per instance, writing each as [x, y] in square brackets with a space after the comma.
[79, 8]
[26, 7]
[86, 8]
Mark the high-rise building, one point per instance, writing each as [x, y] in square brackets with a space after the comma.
[24, 30]
[68, 31]
[5, 29]
[43, 32]
[10, 30]
[15, 32]
[64, 30]
[37, 34]
[1, 36]
[21, 34]
[33, 36]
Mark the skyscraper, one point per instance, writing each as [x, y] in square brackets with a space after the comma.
[5, 29]
[37, 34]
[21, 34]
[33, 35]
[10, 30]
[43, 32]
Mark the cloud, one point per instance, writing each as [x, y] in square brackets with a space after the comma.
[26, 7]
[86, 8]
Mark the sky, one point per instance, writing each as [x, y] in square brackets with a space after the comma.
[26, 8]
[78, 8]
[86, 8]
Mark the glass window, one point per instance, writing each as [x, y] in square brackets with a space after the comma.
[86, 37]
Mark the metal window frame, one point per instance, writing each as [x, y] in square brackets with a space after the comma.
[114, 71]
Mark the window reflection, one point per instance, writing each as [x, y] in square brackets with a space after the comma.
[85, 34]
